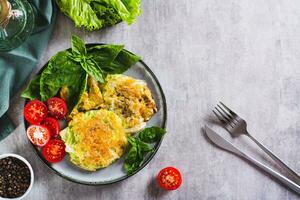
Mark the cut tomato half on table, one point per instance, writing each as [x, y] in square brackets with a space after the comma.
[35, 111]
[53, 125]
[38, 135]
[169, 178]
[54, 151]
[57, 107]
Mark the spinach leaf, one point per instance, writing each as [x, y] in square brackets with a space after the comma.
[33, 89]
[152, 134]
[61, 71]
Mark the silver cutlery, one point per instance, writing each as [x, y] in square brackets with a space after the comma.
[236, 126]
[225, 144]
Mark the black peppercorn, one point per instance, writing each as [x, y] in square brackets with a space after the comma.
[14, 177]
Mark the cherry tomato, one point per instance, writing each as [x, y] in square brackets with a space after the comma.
[35, 111]
[54, 151]
[57, 107]
[38, 135]
[53, 125]
[169, 178]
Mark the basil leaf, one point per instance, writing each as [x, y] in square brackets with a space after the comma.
[132, 159]
[33, 89]
[121, 63]
[93, 69]
[132, 155]
[112, 59]
[75, 92]
[78, 45]
[143, 148]
[152, 134]
[135, 157]
[61, 71]
[130, 168]
[69, 69]
[104, 54]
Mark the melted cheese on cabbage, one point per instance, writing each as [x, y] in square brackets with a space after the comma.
[95, 139]
[129, 98]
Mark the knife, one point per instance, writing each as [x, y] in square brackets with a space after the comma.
[226, 145]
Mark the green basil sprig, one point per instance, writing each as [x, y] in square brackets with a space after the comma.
[140, 146]
[70, 69]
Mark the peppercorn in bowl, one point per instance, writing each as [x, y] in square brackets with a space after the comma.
[16, 177]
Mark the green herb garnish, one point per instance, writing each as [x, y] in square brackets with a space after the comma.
[70, 68]
[152, 134]
[140, 146]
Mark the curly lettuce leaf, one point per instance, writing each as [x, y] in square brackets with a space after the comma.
[128, 10]
[133, 6]
[106, 13]
[81, 12]
[96, 14]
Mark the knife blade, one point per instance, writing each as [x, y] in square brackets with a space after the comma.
[225, 144]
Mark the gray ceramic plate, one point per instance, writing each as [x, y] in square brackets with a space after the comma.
[115, 173]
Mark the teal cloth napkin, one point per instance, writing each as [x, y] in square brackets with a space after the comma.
[17, 65]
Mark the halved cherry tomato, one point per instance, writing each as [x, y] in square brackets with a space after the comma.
[169, 178]
[54, 151]
[53, 125]
[57, 107]
[38, 135]
[35, 111]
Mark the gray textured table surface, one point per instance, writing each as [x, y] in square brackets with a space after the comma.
[245, 53]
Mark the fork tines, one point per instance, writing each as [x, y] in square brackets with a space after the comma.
[224, 114]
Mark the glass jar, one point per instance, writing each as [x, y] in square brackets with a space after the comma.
[16, 23]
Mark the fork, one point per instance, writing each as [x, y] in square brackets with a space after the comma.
[236, 126]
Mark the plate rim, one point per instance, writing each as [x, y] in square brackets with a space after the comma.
[151, 156]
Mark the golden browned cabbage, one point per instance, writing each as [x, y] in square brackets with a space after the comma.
[94, 139]
[129, 98]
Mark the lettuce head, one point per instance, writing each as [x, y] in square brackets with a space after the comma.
[96, 14]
